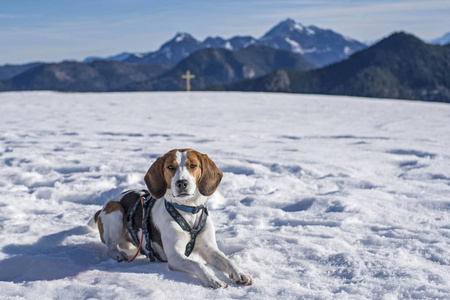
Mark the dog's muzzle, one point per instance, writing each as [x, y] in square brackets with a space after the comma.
[182, 188]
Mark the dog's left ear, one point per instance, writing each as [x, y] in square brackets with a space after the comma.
[154, 179]
[211, 176]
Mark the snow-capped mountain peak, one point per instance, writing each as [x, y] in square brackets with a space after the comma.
[289, 27]
[137, 55]
[295, 26]
[171, 52]
[214, 42]
[181, 39]
[234, 43]
[181, 36]
[319, 46]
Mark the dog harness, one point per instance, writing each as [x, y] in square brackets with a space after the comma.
[193, 232]
[172, 208]
[147, 206]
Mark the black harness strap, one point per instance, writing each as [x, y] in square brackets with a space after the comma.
[131, 223]
[193, 232]
[146, 226]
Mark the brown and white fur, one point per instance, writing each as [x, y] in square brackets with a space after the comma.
[186, 177]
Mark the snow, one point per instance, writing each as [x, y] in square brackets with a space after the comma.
[294, 26]
[122, 56]
[310, 31]
[297, 27]
[347, 38]
[138, 55]
[295, 47]
[180, 37]
[347, 50]
[323, 197]
[228, 46]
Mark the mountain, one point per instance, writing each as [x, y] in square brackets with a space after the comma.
[170, 53]
[400, 66]
[235, 43]
[214, 65]
[183, 45]
[9, 71]
[288, 45]
[216, 42]
[119, 57]
[179, 47]
[211, 66]
[443, 40]
[240, 42]
[98, 76]
[319, 46]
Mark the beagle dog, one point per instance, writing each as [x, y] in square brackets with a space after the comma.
[179, 183]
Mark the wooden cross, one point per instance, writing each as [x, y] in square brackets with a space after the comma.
[188, 76]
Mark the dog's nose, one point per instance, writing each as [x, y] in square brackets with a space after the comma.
[182, 184]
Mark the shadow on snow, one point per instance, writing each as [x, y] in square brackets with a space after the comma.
[50, 259]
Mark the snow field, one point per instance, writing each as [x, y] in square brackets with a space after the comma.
[323, 197]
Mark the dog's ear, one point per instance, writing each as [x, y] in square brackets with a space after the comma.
[154, 179]
[211, 176]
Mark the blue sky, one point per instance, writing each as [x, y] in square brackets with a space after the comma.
[54, 30]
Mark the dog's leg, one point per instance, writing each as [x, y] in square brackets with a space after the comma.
[110, 225]
[176, 259]
[213, 256]
[185, 264]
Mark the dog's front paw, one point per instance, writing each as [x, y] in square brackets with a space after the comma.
[215, 283]
[242, 279]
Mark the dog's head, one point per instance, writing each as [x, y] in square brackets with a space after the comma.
[183, 173]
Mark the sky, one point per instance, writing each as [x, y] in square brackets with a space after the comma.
[56, 30]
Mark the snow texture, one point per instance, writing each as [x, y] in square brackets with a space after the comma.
[323, 197]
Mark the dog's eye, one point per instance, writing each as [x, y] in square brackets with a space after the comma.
[193, 166]
[170, 167]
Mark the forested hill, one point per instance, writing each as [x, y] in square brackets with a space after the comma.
[400, 66]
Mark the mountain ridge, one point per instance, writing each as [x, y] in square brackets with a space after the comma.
[211, 66]
[182, 45]
[442, 40]
[319, 46]
[97, 76]
[399, 66]
[217, 65]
